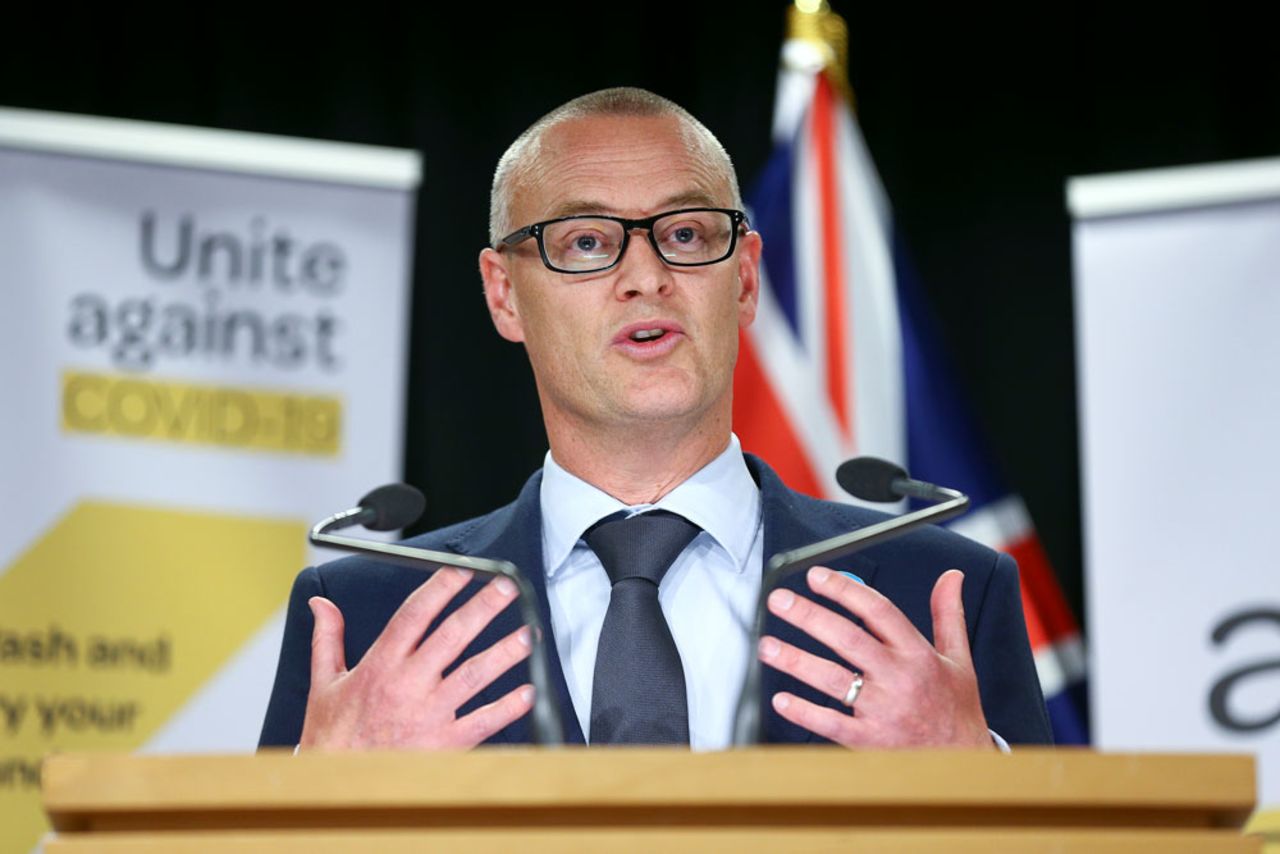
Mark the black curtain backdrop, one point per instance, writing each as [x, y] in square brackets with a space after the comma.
[975, 122]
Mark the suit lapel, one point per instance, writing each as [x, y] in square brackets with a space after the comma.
[792, 520]
[514, 533]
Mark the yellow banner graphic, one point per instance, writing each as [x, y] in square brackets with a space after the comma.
[113, 620]
[143, 408]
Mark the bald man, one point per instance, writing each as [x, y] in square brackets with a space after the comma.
[622, 260]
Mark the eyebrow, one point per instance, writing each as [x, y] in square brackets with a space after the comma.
[583, 207]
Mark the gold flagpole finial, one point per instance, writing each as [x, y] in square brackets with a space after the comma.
[812, 23]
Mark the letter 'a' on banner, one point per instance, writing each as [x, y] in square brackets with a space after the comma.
[205, 347]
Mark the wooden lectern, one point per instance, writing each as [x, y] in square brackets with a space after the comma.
[574, 799]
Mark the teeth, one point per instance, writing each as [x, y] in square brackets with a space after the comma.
[647, 334]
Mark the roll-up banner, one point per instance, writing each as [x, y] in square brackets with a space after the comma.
[204, 339]
[1177, 294]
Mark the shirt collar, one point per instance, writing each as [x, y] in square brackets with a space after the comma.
[721, 498]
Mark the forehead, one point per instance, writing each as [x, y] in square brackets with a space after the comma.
[625, 165]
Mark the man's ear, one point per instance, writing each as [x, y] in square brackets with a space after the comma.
[749, 249]
[500, 296]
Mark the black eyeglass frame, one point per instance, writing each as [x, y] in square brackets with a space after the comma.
[739, 226]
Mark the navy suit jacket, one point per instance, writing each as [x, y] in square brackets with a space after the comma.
[905, 569]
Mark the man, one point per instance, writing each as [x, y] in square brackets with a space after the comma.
[622, 261]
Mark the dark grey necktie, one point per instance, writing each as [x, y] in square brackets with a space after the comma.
[638, 696]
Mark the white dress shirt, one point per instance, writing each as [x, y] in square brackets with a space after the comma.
[708, 596]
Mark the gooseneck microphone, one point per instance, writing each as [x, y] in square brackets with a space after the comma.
[874, 479]
[387, 508]
[867, 478]
[396, 505]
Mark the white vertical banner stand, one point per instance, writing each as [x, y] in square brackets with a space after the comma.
[204, 349]
[1177, 294]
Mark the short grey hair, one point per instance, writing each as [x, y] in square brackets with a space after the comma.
[518, 162]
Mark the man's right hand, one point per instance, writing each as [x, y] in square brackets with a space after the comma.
[397, 696]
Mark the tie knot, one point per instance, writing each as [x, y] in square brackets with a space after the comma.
[642, 546]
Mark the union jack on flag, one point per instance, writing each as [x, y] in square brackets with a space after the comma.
[840, 362]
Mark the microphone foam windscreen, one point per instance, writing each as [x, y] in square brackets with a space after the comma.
[870, 478]
[394, 506]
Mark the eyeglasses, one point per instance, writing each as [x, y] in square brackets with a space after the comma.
[691, 237]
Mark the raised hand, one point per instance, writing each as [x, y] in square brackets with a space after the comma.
[913, 693]
[397, 696]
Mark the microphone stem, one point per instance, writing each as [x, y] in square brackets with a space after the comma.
[338, 521]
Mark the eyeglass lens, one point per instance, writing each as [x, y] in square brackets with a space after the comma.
[583, 244]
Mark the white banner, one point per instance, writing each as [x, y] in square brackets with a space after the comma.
[204, 350]
[1178, 336]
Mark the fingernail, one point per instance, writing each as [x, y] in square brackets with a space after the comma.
[782, 599]
[524, 636]
[818, 575]
[505, 587]
[526, 694]
[769, 647]
[781, 701]
[462, 573]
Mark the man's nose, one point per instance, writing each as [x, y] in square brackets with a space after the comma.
[642, 270]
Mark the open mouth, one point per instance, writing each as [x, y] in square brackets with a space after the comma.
[649, 339]
[641, 336]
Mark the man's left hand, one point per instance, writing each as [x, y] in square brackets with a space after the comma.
[914, 694]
